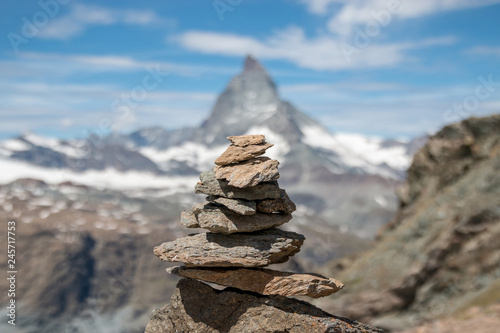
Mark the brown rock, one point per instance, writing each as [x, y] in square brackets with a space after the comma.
[188, 217]
[235, 154]
[249, 173]
[282, 205]
[238, 206]
[220, 220]
[211, 186]
[246, 140]
[198, 308]
[258, 249]
[264, 281]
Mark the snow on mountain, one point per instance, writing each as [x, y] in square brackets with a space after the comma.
[348, 179]
[195, 155]
[108, 178]
[357, 151]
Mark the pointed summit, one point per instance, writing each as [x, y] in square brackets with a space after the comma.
[251, 64]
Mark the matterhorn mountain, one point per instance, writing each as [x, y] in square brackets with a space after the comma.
[347, 179]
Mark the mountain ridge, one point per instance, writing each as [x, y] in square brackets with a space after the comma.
[317, 166]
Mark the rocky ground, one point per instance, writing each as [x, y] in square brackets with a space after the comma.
[440, 254]
[85, 254]
[477, 320]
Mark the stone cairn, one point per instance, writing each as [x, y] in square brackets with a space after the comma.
[245, 205]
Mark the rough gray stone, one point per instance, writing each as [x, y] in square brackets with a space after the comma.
[211, 186]
[258, 249]
[238, 206]
[282, 205]
[220, 220]
[198, 308]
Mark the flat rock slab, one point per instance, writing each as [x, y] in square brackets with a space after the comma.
[264, 281]
[258, 249]
[198, 308]
[282, 205]
[248, 173]
[235, 154]
[212, 186]
[246, 140]
[220, 220]
[238, 206]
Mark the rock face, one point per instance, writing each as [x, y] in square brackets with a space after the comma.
[264, 281]
[257, 249]
[441, 253]
[196, 307]
[245, 207]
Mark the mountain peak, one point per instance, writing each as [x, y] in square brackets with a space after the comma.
[251, 64]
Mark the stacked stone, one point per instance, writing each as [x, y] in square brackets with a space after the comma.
[245, 205]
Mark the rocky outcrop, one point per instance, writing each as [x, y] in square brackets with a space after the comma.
[243, 238]
[196, 307]
[441, 253]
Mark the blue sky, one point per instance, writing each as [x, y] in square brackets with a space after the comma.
[386, 68]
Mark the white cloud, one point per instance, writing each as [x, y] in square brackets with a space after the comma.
[485, 50]
[41, 106]
[359, 12]
[82, 17]
[291, 44]
[320, 7]
[60, 65]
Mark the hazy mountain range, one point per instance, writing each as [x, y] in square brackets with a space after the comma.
[348, 179]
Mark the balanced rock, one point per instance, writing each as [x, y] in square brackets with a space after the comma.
[220, 220]
[249, 173]
[246, 140]
[238, 206]
[258, 249]
[282, 205]
[198, 308]
[212, 186]
[264, 281]
[235, 154]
